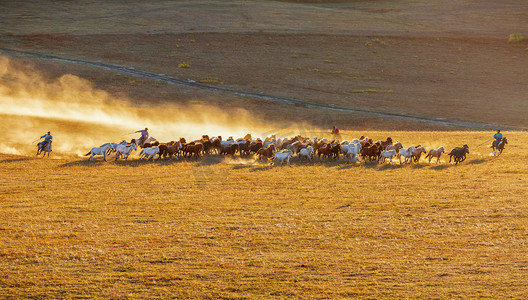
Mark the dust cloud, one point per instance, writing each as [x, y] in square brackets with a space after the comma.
[80, 116]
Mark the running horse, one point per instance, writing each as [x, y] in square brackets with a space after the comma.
[459, 153]
[44, 150]
[498, 147]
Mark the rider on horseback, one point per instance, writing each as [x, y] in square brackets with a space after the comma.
[498, 137]
[144, 136]
[335, 133]
[47, 140]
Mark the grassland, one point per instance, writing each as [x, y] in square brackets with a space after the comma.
[236, 229]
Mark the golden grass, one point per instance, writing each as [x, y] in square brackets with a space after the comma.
[236, 229]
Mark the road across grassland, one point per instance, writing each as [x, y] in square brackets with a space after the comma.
[192, 84]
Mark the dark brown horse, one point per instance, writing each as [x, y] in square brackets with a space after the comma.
[459, 153]
[193, 149]
[372, 152]
[230, 149]
[384, 144]
[244, 148]
[169, 149]
[255, 146]
[498, 147]
[266, 152]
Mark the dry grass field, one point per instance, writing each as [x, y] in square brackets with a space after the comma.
[222, 228]
[237, 229]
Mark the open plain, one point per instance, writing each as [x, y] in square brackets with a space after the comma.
[437, 74]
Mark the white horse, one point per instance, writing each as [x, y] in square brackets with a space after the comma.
[407, 153]
[44, 150]
[149, 153]
[99, 151]
[352, 151]
[282, 156]
[114, 145]
[124, 150]
[387, 154]
[306, 153]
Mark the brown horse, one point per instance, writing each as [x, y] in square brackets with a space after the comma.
[417, 153]
[192, 149]
[384, 144]
[244, 148]
[169, 149]
[459, 153]
[498, 147]
[266, 152]
[371, 152]
[255, 146]
[230, 149]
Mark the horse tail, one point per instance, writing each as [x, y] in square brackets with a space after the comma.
[88, 153]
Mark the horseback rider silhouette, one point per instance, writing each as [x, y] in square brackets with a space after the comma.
[47, 139]
[498, 137]
[144, 136]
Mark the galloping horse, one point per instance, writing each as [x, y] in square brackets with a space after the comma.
[435, 153]
[499, 147]
[47, 149]
[99, 151]
[459, 153]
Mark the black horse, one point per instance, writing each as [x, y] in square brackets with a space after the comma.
[459, 153]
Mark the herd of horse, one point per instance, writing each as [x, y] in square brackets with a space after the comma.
[275, 150]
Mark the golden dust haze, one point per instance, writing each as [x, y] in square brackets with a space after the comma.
[80, 116]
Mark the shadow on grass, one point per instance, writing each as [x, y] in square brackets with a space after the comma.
[84, 163]
[263, 168]
[239, 167]
[418, 166]
[15, 160]
[441, 167]
[390, 167]
[349, 166]
[476, 161]
[210, 160]
[121, 162]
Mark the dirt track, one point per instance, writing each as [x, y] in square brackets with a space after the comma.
[423, 65]
[171, 80]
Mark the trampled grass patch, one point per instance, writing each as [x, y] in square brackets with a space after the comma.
[235, 228]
